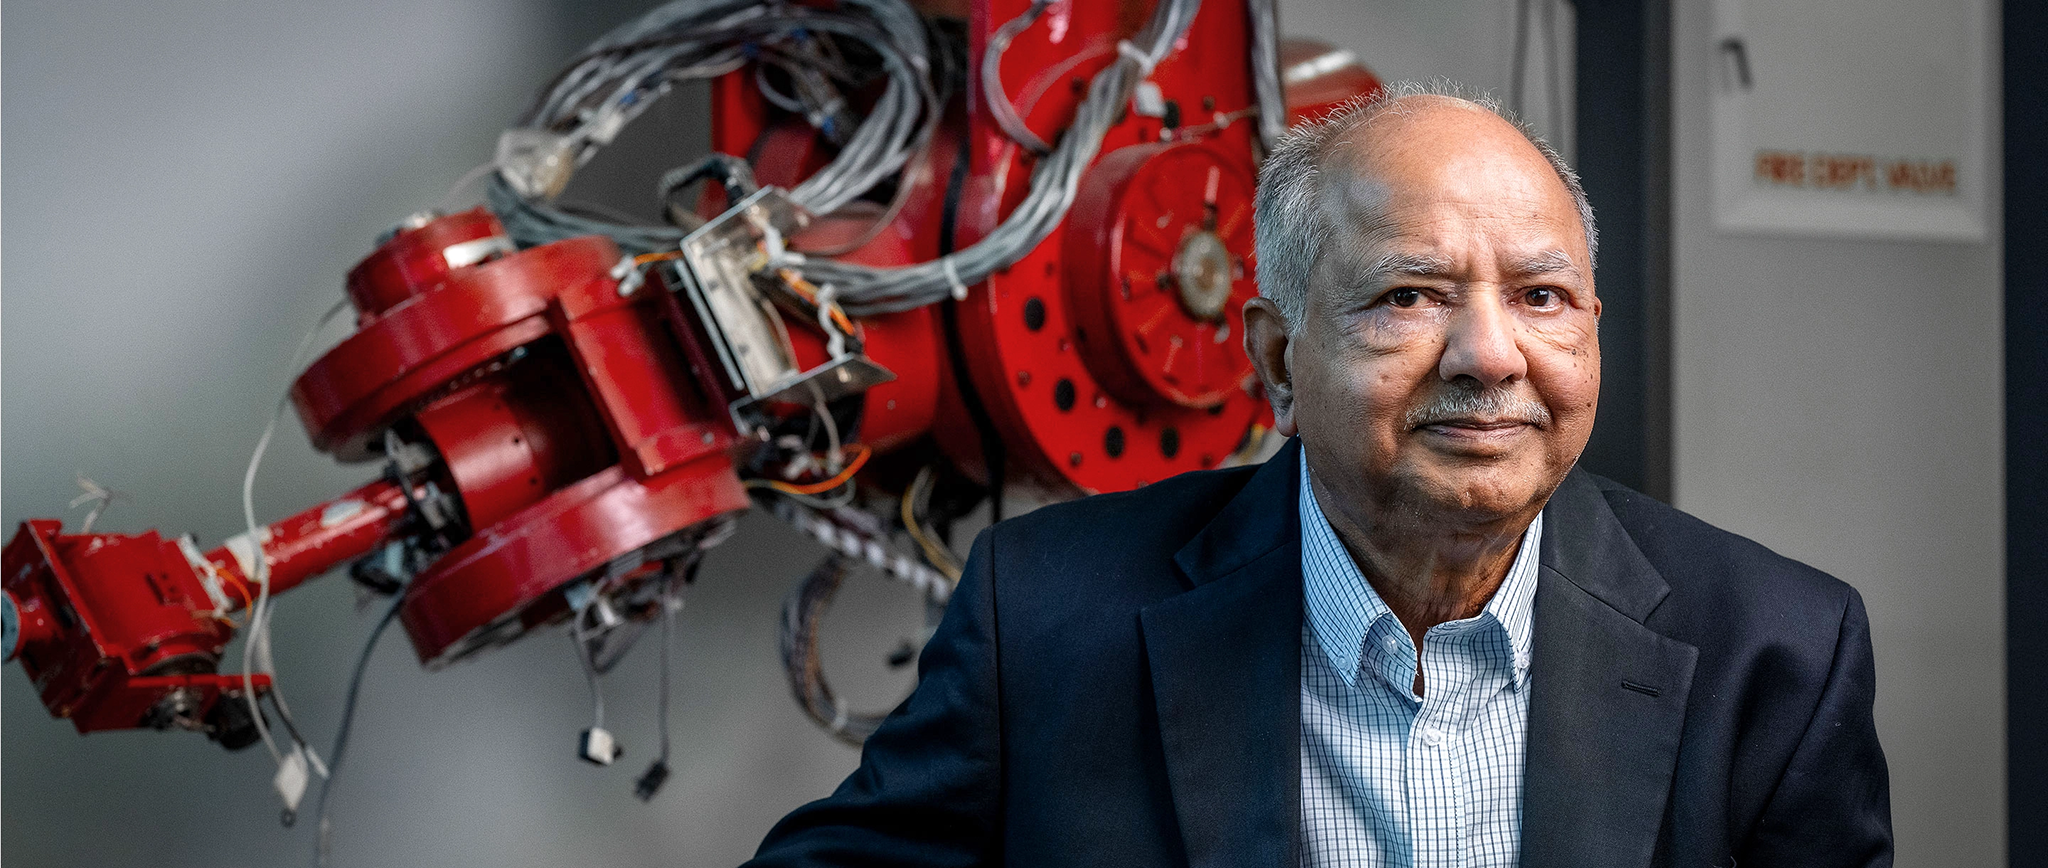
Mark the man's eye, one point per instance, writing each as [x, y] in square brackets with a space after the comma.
[1540, 297]
[1405, 297]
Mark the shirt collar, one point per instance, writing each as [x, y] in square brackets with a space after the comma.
[1343, 607]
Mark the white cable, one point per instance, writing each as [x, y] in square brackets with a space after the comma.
[620, 74]
[833, 457]
[472, 176]
[257, 637]
[835, 340]
[993, 95]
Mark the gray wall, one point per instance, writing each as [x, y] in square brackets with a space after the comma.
[1840, 401]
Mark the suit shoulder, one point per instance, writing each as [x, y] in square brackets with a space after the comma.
[1724, 571]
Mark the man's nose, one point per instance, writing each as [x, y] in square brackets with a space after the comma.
[1480, 343]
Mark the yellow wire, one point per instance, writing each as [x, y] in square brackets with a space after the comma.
[939, 556]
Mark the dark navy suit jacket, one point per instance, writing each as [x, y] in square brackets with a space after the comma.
[1117, 682]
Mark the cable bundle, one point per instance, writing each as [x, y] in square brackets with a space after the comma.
[615, 79]
[620, 75]
[1056, 179]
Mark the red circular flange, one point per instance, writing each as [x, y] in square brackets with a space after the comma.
[508, 578]
[1158, 270]
[416, 350]
[418, 257]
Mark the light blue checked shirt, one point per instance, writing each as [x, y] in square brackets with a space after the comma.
[1389, 778]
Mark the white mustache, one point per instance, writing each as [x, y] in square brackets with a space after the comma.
[1460, 402]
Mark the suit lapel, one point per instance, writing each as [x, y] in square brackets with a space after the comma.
[1608, 695]
[1606, 710]
[1225, 658]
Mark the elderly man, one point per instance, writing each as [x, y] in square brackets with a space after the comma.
[1417, 635]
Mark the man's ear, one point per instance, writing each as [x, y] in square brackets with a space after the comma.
[1267, 341]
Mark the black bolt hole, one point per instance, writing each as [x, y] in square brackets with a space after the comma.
[1063, 394]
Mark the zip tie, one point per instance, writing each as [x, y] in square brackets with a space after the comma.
[209, 576]
[1137, 55]
[828, 301]
[953, 278]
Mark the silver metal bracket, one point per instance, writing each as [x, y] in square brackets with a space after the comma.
[722, 260]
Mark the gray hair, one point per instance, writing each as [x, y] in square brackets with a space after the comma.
[1289, 217]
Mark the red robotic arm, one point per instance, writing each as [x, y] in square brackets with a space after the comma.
[557, 426]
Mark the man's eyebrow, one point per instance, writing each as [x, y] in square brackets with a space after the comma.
[1550, 261]
[1407, 265]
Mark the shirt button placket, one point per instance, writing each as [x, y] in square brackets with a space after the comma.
[1438, 814]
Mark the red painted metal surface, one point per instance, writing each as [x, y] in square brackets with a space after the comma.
[310, 543]
[576, 427]
[1064, 429]
[1143, 337]
[509, 578]
[128, 621]
[417, 259]
[442, 335]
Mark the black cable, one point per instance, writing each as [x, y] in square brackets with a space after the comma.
[657, 772]
[321, 842]
[668, 626]
[992, 455]
[803, 613]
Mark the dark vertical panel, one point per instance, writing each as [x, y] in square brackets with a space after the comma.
[1624, 151]
[2026, 420]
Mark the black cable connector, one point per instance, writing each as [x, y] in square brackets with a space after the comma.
[650, 783]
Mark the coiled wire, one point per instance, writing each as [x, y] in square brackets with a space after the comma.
[1055, 180]
[617, 77]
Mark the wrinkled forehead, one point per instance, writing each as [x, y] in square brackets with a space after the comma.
[1382, 179]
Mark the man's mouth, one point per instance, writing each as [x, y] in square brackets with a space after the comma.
[1470, 424]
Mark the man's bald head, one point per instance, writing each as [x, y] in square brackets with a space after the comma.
[1358, 147]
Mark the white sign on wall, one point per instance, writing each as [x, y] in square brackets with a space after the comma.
[1852, 118]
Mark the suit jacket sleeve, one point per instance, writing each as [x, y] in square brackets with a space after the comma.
[927, 789]
[1833, 804]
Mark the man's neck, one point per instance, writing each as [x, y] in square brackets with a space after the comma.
[1428, 570]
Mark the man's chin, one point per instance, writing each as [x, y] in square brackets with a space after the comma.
[1484, 493]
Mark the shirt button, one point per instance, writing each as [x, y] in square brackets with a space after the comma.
[1433, 737]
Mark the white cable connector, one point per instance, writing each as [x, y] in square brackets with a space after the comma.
[628, 274]
[1147, 100]
[292, 778]
[598, 747]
